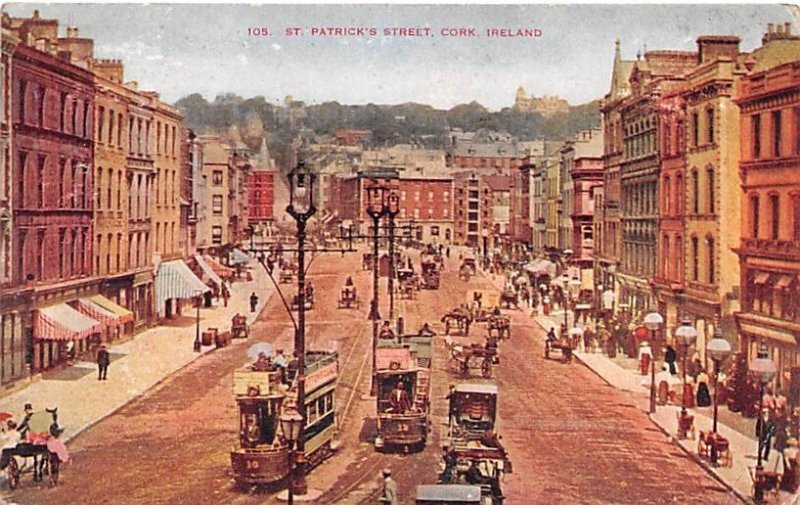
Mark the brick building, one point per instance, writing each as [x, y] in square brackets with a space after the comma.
[261, 194]
[586, 174]
[473, 207]
[769, 252]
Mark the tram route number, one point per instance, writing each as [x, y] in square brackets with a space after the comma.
[252, 464]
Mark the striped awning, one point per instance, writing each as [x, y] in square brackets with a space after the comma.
[220, 269]
[207, 270]
[62, 322]
[102, 312]
[124, 314]
[175, 280]
[238, 257]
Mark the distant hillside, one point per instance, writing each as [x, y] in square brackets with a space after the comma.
[390, 124]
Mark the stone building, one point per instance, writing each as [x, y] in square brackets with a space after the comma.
[472, 209]
[769, 251]
[585, 164]
[608, 250]
[547, 106]
[650, 77]
[499, 187]
[711, 188]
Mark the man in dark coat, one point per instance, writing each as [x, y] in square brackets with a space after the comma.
[103, 359]
[765, 430]
[669, 358]
[253, 301]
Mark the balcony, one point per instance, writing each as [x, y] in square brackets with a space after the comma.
[762, 247]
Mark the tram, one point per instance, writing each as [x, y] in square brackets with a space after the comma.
[403, 400]
[261, 456]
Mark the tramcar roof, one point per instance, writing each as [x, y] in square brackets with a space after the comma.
[484, 389]
[449, 492]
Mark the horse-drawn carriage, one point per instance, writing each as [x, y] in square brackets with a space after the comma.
[464, 358]
[407, 288]
[366, 261]
[500, 325]
[288, 273]
[239, 327]
[459, 318]
[563, 345]
[430, 273]
[41, 454]
[465, 272]
[348, 298]
[508, 298]
[309, 301]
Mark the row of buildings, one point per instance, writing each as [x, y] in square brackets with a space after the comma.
[697, 214]
[106, 200]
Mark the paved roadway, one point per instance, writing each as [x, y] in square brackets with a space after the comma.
[571, 438]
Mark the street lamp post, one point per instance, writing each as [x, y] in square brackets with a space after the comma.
[301, 208]
[197, 345]
[718, 349]
[763, 370]
[376, 209]
[687, 335]
[392, 209]
[653, 322]
[291, 425]
[485, 235]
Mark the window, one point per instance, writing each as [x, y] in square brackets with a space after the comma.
[434, 231]
[63, 116]
[665, 256]
[119, 192]
[40, 181]
[216, 178]
[446, 213]
[695, 129]
[711, 269]
[158, 137]
[695, 191]
[695, 254]
[416, 196]
[216, 206]
[754, 214]
[430, 196]
[679, 194]
[403, 195]
[173, 141]
[776, 133]
[446, 196]
[797, 130]
[710, 125]
[774, 204]
[216, 235]
[108, 188]
[119, 129]
[110, 126]
[23, 88]
[101, 116]
[667, 193]
[756, 134]
[711, 195]
[62, 173]
[416, 213]
[61, 234]
[40, 108]
[430, 212]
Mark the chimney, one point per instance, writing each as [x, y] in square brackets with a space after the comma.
[770, 28]
[780, 29]
[787, 28]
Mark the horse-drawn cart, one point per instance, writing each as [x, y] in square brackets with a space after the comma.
[499, 325]
[458, 318]
[472, 357]
[308, 305]
[239, 327]
[348, 298]
[563, 346]
[287, 274]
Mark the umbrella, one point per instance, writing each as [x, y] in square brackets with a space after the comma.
[258, 348]
[520, 281]
[576, 331]
[5, 416]
[40, 422]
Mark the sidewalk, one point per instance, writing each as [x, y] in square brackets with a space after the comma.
[743, 447]
[136, 365]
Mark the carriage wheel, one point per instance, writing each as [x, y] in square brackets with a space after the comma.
[12, 473]
[486, 368]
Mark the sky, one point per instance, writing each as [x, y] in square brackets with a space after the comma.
[179, 49]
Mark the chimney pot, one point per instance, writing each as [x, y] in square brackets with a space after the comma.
[770, 27]
[780, 29]
[787, 28]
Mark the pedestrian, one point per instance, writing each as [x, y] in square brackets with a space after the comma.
[102, 363]
[765, 430]
[225, 294]
[669, 358]
[389, 488]
[24, 427]
[447, 253]
[253, 301]
[703, 395]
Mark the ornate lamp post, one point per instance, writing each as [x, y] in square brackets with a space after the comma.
[198, 300]
[687, 336]
[376, 209]
[718, 349]
[291, 426]
[392, 210]
[763, 370]
[301, 208]
[653, 322]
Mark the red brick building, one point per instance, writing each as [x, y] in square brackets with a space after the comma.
[769, 254]
[261, 196]
[586, 173]
[669, 278]
[352, 137]
[52, 189]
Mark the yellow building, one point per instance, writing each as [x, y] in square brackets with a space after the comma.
[711, 189]
[164, 147]
[213, 216]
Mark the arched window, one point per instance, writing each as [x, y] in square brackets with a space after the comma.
[711, 265]
[775, 211]
[711, 193]
[695, 191]
[695, 259]
[754, 214]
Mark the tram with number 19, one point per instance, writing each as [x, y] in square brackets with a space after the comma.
[262, 394]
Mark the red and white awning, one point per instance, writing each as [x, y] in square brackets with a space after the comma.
[62, 322]
[104, 310]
